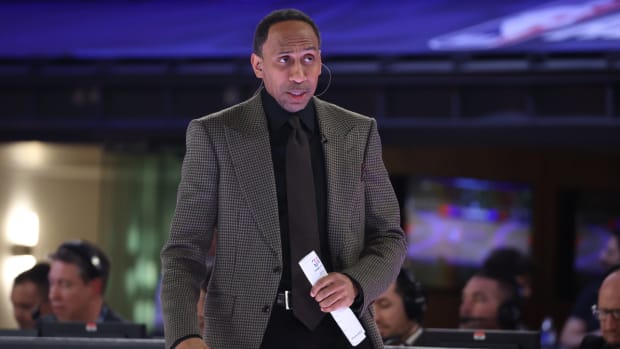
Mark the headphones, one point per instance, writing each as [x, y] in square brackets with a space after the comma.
[412, 294]
[509, 311]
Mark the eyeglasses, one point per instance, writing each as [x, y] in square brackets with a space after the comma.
[602, 314]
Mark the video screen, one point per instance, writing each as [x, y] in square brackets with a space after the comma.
[453, 223]
[105, 29]
[596, 215]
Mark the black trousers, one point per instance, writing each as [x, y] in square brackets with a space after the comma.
[284, 331]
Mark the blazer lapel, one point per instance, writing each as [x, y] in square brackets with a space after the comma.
[250, 151]
[341, 171]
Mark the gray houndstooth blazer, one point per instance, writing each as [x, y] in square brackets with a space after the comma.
[228, 183]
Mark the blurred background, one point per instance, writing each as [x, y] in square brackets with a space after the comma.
[499, 122]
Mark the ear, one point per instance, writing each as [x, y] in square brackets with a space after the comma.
[257, 65]
[96, 285]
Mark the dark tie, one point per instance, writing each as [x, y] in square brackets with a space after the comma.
[303, 224]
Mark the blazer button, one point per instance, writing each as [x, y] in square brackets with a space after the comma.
[277, 269]
[266, 309]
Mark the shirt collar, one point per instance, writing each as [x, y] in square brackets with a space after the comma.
[414, 336]
[277, 116]
[103, 313]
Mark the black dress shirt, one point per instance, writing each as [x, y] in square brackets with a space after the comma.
[279, 131]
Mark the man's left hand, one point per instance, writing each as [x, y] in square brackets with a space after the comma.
[334, 291]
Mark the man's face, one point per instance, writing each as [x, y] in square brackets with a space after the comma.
[610, 255]
[69, 294]
[390, 314]
[25, 298]
[290, 64]
[480, 302]
[609, 299]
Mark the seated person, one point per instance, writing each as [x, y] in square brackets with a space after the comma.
[607, 312]
[29, 296]
[580, 322]
[400, 309]
[78, 276]
[490, 301]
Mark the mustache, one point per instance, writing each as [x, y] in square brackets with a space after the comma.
[299, 87]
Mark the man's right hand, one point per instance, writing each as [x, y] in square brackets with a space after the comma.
[192, 343]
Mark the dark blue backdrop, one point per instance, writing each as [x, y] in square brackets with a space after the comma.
[158, 28]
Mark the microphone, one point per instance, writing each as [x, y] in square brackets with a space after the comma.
[329, 82]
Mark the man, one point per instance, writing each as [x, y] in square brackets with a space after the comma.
[490, 301]
[29, 295]
[78, 277]
[580, 322]
[236, 178]
[399, 311]
[607, 312]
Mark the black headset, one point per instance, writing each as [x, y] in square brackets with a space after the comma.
[509, 312]
[412, 293]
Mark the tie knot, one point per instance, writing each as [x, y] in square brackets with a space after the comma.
[295, 122]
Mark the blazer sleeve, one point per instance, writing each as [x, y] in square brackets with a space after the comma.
[183, 255]
[384, 240]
